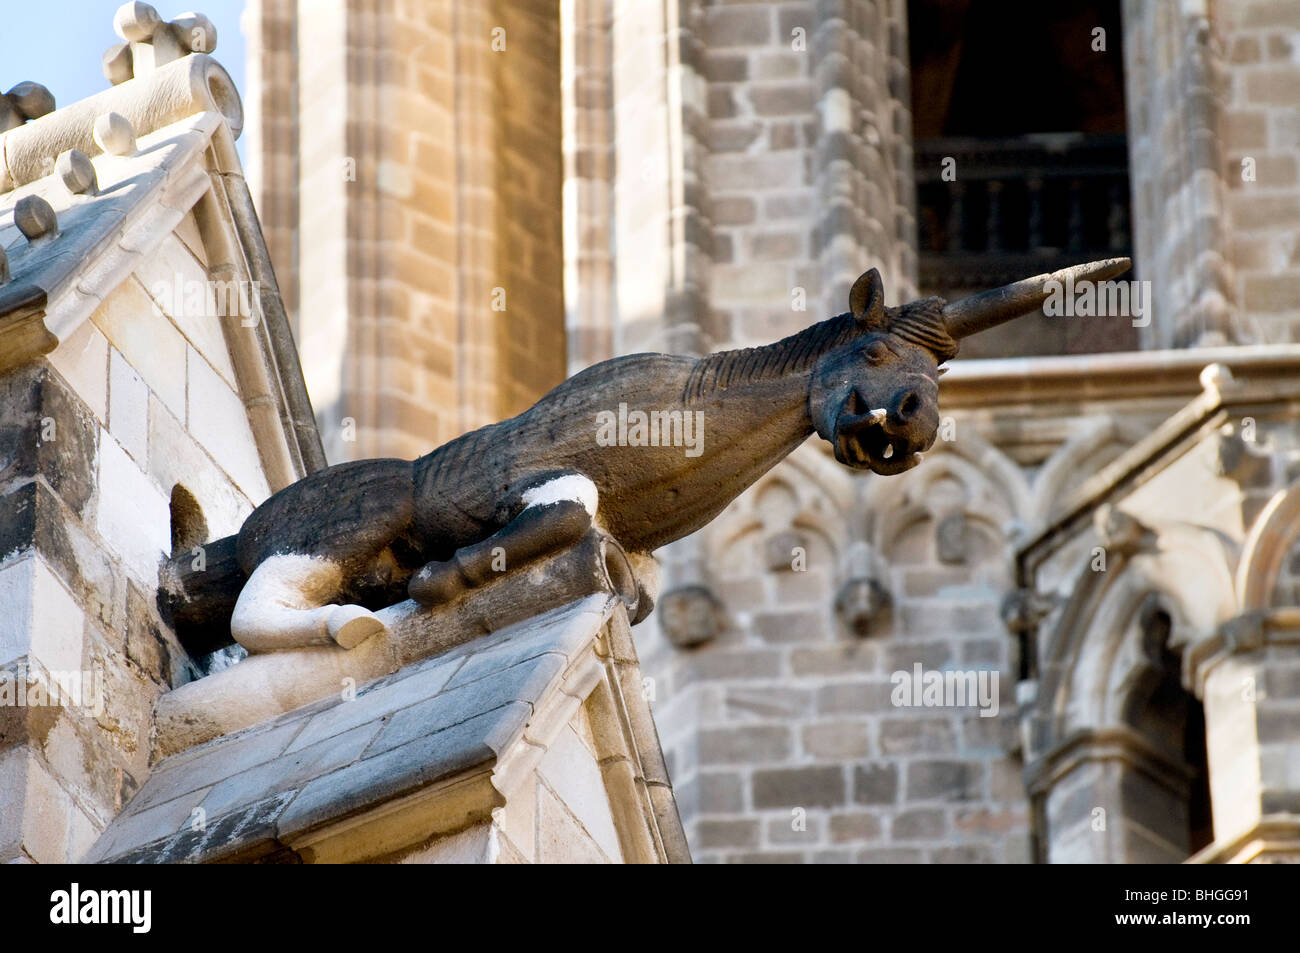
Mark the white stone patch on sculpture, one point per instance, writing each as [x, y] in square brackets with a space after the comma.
[571, 488]
[271, 683]
[285, 605]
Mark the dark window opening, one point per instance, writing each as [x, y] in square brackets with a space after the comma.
[1172, 719]
[1021, 156]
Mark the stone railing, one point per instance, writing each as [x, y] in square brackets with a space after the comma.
[1017, 206]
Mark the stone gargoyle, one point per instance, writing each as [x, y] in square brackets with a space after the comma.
[311, 563]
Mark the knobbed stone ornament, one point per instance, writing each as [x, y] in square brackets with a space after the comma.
[312, 562]
[77, 172]
[24, 102]
[35, 218]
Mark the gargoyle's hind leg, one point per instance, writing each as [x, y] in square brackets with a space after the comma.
[285, 604]
[557, 512]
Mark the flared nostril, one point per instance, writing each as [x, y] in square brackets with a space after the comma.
[909, 405]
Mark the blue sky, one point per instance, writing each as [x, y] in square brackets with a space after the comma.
[59, 43]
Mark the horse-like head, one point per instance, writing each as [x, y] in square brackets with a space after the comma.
[875, 397]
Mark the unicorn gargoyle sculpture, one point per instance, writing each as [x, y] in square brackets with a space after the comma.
[319, 554]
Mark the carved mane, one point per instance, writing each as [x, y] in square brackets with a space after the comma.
[919, 323]
[790, 355]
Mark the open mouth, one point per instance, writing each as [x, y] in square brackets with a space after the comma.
[862, 441]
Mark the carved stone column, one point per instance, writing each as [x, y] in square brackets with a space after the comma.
[1247, 679]
[1176, 92]
[429, 230]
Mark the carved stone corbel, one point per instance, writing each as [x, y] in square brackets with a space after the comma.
[863, 598]
[690, 616]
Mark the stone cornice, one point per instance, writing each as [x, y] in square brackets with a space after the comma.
[1262, 378]
[1250, 631]
[1276, 836]
[1119, 743]
[183, 88]
[1105, 378]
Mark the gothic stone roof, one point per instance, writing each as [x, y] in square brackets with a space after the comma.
[90, 191]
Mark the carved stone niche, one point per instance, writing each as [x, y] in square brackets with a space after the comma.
[952, 539]
[863, 599]
[690, 616]
[780, 548]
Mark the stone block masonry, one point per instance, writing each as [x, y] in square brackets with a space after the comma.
[428, 262]
[98, 437]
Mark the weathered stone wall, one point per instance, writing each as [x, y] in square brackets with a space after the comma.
[428, 255]
[1201, 541]
[139, 404]
[1212, 132]
[786, 740]
[271, 134]
[1262, 124]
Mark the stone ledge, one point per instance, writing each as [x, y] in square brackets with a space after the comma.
[265, 686]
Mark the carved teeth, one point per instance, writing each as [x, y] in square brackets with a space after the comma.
[877, 416]
[889, 451]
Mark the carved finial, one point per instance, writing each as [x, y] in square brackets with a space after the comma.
[77, 172]
[35, 218]
[860, 603]
[781, 550]
[118, 64]
[195, 32]
[1022, 609]
[952, 539]
[863, 599]
[113, 134]
[1217, 379]
[136, 22]
[151, 43]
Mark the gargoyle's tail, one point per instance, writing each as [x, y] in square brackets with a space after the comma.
[197, 593]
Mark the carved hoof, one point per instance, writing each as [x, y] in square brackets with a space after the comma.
[436, 583]
[349, 626]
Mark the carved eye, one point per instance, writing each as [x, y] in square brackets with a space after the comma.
[875, 352]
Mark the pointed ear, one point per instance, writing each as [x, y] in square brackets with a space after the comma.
[867, 299]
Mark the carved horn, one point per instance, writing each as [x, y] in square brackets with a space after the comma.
[991, 308]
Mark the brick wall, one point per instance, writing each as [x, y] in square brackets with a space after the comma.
[1261, 124]
[786, 743]
[271, 134]
[429, 261]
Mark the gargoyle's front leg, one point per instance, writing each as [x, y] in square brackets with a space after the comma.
[285, 604]
[556, 513]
